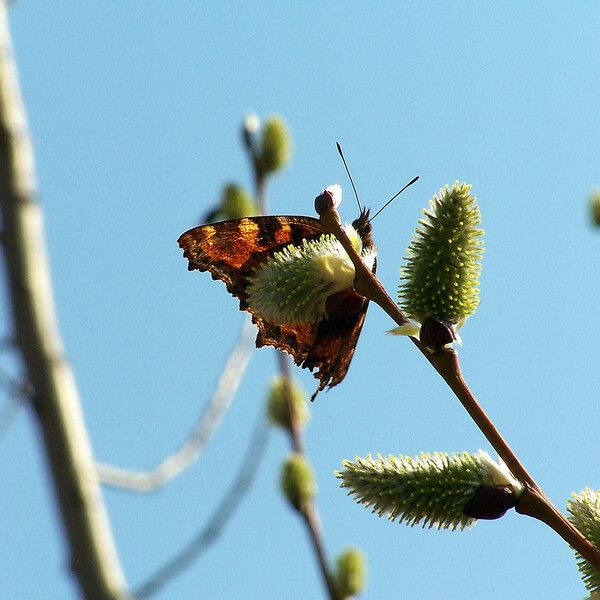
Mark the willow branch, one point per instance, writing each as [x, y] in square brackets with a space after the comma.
[93, 557]
[210, 419]
[309, 512]
[534, 502]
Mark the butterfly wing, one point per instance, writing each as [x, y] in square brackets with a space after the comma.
[232, 250]
[326, 345]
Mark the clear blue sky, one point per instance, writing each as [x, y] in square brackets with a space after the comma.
[134, 109]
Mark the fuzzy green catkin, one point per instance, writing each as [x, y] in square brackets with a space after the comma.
[297, 480]
[277, 407]
[293, 285]
[276, 145]
[442, 266]
[350, 573]
[430, 489]
[584, 513]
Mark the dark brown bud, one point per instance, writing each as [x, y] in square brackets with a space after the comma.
[490, 502]
[330, 197]
[436, 334]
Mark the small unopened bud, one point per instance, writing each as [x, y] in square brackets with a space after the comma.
[236, 203]
[330, 197]
[584, 509]
[276, 146]
[490, 502]
[595, 208]
[278, 410]
[436, 334]
[297, 481]
[350, 574]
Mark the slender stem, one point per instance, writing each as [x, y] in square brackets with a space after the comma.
[93, 556]
[296, 437]
[260, 180]
[534, 502]
[261, 193]
[447, 365]
[309, 510]
[313, 524]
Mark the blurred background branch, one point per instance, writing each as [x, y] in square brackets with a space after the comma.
[175, 464]
[221, 515]
[92, 554]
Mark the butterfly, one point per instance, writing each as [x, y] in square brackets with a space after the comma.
[233, 250]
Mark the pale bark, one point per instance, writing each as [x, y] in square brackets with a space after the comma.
[93, 558]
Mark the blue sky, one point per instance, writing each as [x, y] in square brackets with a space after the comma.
[135, 110]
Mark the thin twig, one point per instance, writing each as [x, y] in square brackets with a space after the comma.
[210, 419]
[296, 437]
[260, 180]
[221, 515]
[92, 553]
[534, 502]
[309, 511]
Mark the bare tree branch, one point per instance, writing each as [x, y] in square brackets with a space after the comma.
[224, 511]
[176, 463]
[93, 557]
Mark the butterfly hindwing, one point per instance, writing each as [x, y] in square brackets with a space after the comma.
[232, 250]
[326, 345]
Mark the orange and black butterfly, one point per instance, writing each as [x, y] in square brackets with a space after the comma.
[233, 250]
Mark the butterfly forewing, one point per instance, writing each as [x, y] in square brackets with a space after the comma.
[231, 250]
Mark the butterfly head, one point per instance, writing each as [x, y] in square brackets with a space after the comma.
[364, 229]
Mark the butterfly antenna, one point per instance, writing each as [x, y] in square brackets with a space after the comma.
[349, 176]
[394, 197]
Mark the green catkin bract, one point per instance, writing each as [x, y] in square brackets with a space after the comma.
[442, 266]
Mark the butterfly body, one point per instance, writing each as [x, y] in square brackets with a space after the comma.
[232, 251]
